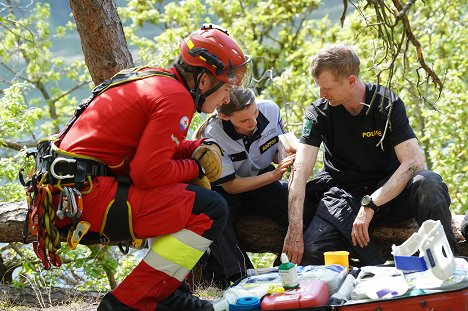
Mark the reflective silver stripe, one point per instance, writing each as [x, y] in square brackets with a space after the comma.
[162, 264]
[191, 238]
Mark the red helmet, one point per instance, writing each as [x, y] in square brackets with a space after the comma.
[211, 47]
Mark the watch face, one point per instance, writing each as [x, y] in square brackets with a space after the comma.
[366, 200]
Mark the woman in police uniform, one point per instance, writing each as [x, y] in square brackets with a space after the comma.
[247, 132]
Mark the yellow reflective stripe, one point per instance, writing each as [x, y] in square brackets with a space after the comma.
[162, 264]
[183, 248]
[174, 250]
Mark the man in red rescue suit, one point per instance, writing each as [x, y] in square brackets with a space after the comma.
[138, 129]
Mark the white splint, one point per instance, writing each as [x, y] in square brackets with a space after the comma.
[431, 242]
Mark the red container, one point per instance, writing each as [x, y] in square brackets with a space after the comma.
[311, 293]
[452, 300]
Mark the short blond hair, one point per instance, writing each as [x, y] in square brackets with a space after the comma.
[340, 59]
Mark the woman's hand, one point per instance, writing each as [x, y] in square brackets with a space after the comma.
[281, 168]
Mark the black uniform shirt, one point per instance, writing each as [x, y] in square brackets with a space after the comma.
[350, 142]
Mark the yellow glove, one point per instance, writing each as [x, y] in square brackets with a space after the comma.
[208, 154]
[202, 182]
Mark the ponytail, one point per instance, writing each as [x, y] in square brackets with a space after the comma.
[199, 131]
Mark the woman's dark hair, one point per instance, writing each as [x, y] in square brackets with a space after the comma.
[240, 99]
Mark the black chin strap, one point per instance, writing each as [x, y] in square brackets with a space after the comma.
[198, 97]
[210, 91]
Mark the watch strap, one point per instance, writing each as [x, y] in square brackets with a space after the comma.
[372, 206]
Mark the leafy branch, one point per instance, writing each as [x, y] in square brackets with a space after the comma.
[386, 21]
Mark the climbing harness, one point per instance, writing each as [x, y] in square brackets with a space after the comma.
[71, 175]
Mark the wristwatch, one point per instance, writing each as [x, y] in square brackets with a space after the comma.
[366, 201]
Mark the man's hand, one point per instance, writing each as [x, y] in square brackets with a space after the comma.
[208, 154]
[294, 245]
[202, 182]
[360, 232]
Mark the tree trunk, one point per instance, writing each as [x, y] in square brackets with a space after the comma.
[102, 38]
[12, 216]
[256, 234]
[259, 234]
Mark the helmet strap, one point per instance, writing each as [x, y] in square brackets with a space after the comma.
[198, 97]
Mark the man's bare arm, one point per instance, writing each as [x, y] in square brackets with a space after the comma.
[306, 157]
[411, 161]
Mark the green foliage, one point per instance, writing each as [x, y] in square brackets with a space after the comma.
[85, 268]
[16, 120]
[263, 260]
[37, 96]
[36, 99]
[437, 118]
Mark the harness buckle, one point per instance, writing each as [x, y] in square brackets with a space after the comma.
[57, 160]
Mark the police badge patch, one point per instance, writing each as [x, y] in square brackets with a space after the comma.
[309, 120]
[306, 127]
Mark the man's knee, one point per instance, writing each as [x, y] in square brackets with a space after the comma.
[429, 189]
[427, 180]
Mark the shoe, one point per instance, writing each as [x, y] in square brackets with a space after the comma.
[110, 303]
[182, 299]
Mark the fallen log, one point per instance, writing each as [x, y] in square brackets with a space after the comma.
[12, 216]
[258, 234]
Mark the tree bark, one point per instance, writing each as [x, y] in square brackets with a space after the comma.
[12, 216]
[256, 234]
[102, 38]
[259, 234]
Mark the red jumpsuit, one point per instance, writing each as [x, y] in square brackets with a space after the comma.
[139, 129]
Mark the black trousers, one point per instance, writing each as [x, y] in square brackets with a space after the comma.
[226, 257]
[425, 197]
